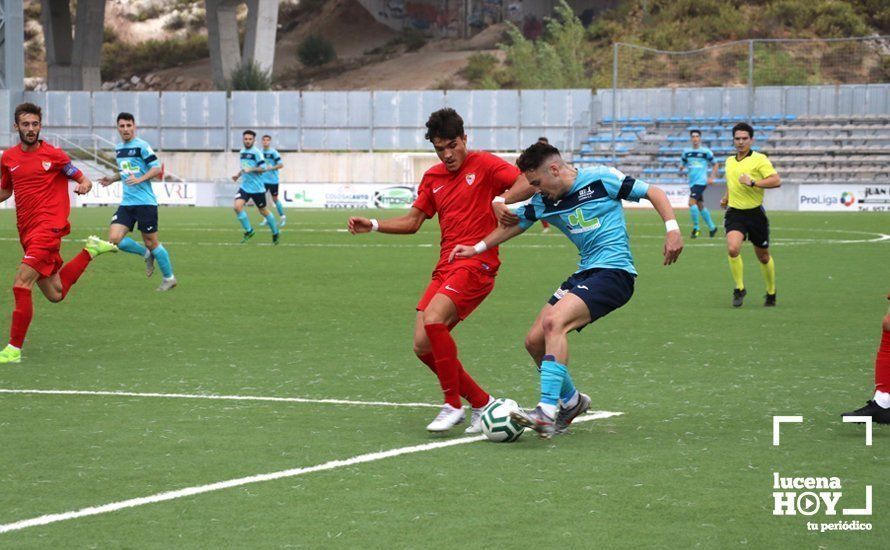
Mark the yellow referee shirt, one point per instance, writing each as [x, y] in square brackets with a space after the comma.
[756, 165]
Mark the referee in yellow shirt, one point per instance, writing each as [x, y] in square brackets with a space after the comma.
[748, 173]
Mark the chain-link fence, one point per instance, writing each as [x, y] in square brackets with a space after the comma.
[752, 63]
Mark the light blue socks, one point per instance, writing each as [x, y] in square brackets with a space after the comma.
[279, 207]
[129, 245]
[245, 222]
[270, 219]
[693, 211]
[163, 258]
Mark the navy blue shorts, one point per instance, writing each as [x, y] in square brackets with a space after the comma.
[272, 188]
[145, 214]
[603, 290]
[697, 192]
[259, 199]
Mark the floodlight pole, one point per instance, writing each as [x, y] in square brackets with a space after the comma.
[614, 96]
[750, 82]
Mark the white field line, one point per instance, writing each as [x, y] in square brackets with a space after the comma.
[218, 397]
[200, 489]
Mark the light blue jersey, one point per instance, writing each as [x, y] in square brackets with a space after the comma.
[252, 182]
[591, 216]
[697, 162]
[135, 158]
[272, 159]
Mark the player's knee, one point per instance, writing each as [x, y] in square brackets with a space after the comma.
[552, 324]
[733, 250]
[763, 257]
[534, 342]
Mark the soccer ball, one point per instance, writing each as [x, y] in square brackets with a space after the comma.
[497, 424]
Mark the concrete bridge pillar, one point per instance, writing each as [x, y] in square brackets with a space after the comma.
[73, 61]
[259, 38]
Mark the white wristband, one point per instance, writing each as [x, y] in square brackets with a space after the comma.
[499, 199]
[375, 226]
[480, 247]
[671, 225]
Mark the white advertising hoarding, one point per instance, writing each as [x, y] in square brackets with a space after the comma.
[677, 193]
[843, 198]
[358, 195]
[168, 193]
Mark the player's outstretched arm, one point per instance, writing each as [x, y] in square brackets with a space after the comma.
[520, 191]
[105, 181]
[402, 225]
[5, 193]
[499, 235]
[673, 241]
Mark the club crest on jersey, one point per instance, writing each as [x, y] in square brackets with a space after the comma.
[471, 178]
[46, 165]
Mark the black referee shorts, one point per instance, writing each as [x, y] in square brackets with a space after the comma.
[752, 223]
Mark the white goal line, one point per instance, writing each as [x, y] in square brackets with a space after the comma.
[220, 485]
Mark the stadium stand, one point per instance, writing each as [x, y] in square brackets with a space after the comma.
[814, 149]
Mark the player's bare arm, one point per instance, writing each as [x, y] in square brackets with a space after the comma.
[402, 225]
[105, 181]
[5, 194]
[83, 184]
[521, 190]
[769, 182]
[713, 175]
[153, 172]
[500, 235]
[673, 241]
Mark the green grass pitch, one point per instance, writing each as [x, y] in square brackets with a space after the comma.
[329, 315]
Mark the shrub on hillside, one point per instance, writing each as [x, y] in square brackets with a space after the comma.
[315, 51]
[120, 60]
[250, 76]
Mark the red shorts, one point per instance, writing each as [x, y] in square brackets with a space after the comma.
[465, 286]
[42, 251]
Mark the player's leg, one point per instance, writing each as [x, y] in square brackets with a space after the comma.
[238, 207]
[22, 313]
[878, 408]
[706, 215]
[260, 200]
[158, 252]
[569, 313]
[438, 316]
[282, 219]
[734, 240]
[534, 339]
[759, 237]
[694, 214]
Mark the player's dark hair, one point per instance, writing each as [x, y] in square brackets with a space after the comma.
[267, 136]
[27, 109]
[533, 157]
[543, 139]
[248, 133]
[444, 124]
[693, 132]
[126, 116]
[745, 127]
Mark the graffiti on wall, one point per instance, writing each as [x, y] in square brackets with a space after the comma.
[440, 17]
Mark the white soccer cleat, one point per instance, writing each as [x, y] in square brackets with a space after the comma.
[282, 222]
[149, 263]
[167, 284]
[447, 418]
[264, 222]
[475, 426]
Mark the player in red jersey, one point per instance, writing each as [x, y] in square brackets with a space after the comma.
[878, 407]
[465, 191]
[38, 174]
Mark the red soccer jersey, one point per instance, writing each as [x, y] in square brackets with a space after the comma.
[39, 180]
[463, 201]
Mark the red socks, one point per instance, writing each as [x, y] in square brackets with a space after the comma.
[469, 390]
[452, 377]
[21, 316]
[73, 269]
[882, 364]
